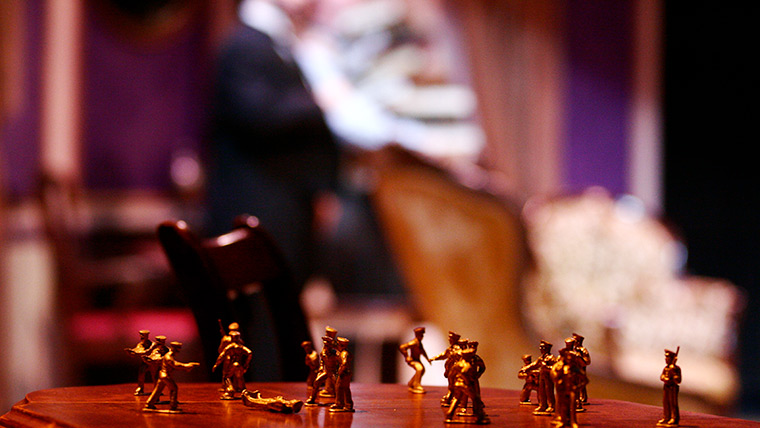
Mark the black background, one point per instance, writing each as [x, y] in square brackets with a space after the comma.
[711, 159]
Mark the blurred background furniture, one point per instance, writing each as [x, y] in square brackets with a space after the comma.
[608, 270]
[240, 276]
[111, 279]
[462, 252]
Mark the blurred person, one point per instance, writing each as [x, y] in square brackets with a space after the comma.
[278, 145]
[273, 155]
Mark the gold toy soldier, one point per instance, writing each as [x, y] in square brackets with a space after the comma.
[276, 404]
[478, 365]
[671, 378]
[450, 355]
[235, 360]
[312, 362]
[168, 365]
[571, 347]
[226, 338]
[328, 390]
[143, 348]
[544, 365]
[329, 361]
[464, 375]
[343, 400]
[586, 357]
[153, 359]
[530, 374]
[413, 351]
[569, 378]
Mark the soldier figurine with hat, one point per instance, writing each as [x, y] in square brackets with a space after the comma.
[671, 378]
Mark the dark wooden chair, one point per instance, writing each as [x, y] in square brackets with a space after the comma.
[241, 277]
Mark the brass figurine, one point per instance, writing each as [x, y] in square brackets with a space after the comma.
[530, 374]
[671, 379]
[312, 362]
[226, 338]
[569, 378]
[328, 390]
[276, 404]
[450, 355]
[153, 359]
[586, 357]
[343, 400]
[544, 364]
[235, 360]
[143, 348]
[464, 375]
[413, 351]
[168, 365]
[329, 361]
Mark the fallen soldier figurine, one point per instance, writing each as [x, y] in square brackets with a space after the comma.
[277, 404]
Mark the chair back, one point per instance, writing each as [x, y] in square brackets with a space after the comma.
[242, 277]
[462, 253]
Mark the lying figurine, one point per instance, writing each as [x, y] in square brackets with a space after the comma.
[277, 404]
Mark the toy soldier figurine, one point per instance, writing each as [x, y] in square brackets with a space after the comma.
[450, 354]
[464, 374]
[254, 400]
[583, 352]
[343, 400]
[226, 338]
[312, 362]
[142, 348]
[569, 378]
[530, 374]
[329, 361]
[153, 359]
[328, 390]
[671, 378]
[235, 360]
[413, 351]
[544, 364]
[478, 367]
[168, 365]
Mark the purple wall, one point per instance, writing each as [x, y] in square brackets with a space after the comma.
[19, 133]
[142, 104]
[599, 51]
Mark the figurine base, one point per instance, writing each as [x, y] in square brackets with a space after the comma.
[417, 390]
[469, 419]
[227, 397]
[341, 410]
[527, 403]
[154, 410]
[547, 412]
[667, 424]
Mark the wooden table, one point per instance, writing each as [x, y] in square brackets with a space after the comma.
[381, 405]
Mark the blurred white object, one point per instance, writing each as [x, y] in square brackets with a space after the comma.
[610, 272]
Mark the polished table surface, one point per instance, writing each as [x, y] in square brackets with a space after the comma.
[382, 405]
